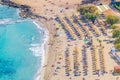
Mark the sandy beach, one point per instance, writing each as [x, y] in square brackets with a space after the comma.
[54, 64]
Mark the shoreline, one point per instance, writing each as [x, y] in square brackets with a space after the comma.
[44, 45]
[55, 65]
[25, 10]
[40, 73]
[40, 26]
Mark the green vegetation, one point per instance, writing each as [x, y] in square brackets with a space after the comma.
[91, 16]
[117, 43]
[116, 30]
[89, 11]
[112, 19]
[117, 6]
[116, 35]
[114, 27]
[117, 46]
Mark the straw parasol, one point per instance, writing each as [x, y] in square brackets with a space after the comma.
[67, 27]
[75, 26]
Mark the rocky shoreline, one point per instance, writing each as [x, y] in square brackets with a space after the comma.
[25, 11]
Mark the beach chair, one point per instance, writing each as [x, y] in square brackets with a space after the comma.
[103, 69]
[75, 26]
[67, 63]
[76, 62]
[67, 27]
[94, 59]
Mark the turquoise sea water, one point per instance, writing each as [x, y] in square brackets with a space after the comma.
[17, 36]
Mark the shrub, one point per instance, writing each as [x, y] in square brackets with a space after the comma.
[112, 19]
[116, 33]
[87, 9]
[114, 26]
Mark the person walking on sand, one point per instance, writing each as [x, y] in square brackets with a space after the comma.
[117, 78]
[83, 79]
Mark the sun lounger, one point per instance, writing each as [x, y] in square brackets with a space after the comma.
[76, 62]
[67, 27]
[102, 61]
[94, 59]
[75, 26]
[67, 63]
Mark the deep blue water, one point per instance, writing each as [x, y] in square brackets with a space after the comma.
[17, 61]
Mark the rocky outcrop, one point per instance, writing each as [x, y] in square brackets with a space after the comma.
[25, 11]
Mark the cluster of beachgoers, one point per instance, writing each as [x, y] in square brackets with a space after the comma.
[77, 49]
[92, 38]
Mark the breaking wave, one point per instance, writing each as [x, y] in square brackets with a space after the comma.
[39, 49]
[10, 21]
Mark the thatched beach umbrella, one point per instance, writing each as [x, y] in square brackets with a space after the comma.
[67, 27]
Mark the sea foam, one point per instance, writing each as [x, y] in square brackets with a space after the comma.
[39, 49]
[10, 21]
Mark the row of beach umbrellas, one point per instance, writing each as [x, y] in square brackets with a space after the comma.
[75, 27]
[84, 60]
[102, 61]
[67, 28]
[80, 35]
[93, 29]
[94, 59]
[76, 62]
[67, 63]
[84, 28]
[77, 21]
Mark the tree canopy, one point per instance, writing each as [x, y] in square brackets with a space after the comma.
[112, 19]
[117, 46]
[91, 16]
[114, 27]
[116, 33]
[117, 43]
[89, 11]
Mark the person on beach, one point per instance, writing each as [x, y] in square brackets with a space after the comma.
[83, 78]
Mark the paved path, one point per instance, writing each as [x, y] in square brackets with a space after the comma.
[111, 8]
[114, 11]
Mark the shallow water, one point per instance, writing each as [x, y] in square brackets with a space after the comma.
[17, 36]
